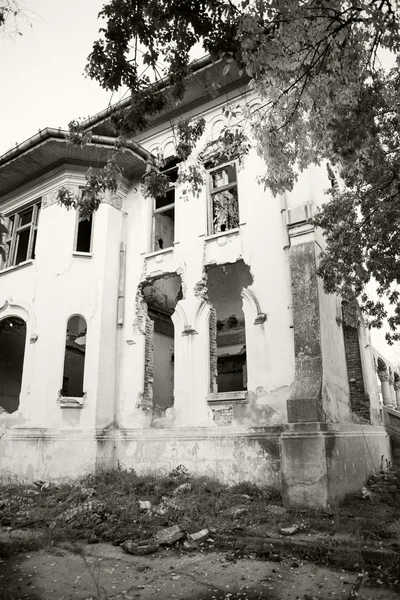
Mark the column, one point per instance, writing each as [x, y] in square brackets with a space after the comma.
[386, 394]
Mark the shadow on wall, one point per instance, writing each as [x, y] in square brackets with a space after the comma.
[12, 351]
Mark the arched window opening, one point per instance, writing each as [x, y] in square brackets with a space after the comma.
[74, 360]
[12, 351]
[225, 284]
[161, 297]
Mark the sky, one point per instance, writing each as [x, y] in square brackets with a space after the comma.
[42, 81]
[41, 71]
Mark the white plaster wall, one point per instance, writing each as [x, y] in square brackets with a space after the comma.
[56, 285]
[260, 242]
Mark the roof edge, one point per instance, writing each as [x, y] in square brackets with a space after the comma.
[60, 134]
[195, 66]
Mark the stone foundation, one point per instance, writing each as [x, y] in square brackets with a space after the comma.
[323, 462]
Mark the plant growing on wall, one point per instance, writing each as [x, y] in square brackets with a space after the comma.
[325, 97]
[225, 211]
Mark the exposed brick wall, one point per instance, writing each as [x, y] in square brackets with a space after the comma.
[223, 416]
[213, 352]
[359, 401]
[146, 401]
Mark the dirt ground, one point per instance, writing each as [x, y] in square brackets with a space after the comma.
[102, 571]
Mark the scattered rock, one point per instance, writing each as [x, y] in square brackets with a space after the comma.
[289, 530]
[275, 557]
[168, 536]
[365, 493]
[187, 546]
[199, 535]
[144, 504]
[180, 472]
[185, 487]
[140, 548]
[276, 510]
[237, 511]
[93, 540]
[39, 483]
[295, 565]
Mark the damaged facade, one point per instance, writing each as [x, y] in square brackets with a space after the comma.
[187, 330]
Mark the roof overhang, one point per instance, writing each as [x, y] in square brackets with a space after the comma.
[51, 148]
[209, 79]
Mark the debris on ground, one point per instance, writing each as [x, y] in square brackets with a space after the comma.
[140, 548]
[238, 511]
[168, 536]
[144, 504]
[199, 535]
[91, 511]
[184, 487]
[365, 493]
[289, 530]
[180, 472]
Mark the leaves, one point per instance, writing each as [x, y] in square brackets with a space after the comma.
[325, 97]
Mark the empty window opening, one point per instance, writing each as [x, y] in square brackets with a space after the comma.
[223, 199]
[22, 234]
[164, 212]
[161, 297]
[74, 360]
[225, 284]
[12, 351]
[84, 231]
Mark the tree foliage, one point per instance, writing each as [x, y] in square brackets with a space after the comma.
[316, 66]
[12, 13]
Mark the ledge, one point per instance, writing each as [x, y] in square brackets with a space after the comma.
[158, 252]
[83, 254]
[22, 265]
[215, 236]
[221, 397]
[71, 401]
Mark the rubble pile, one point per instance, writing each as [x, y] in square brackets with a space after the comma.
[381, 486]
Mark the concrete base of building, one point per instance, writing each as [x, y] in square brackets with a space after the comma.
[228, 456]
[49, 454]
[321, 462]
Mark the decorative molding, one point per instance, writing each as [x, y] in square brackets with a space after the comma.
[30, 318]
[252, 300]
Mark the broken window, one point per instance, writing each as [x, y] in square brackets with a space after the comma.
[22, 234]
[74, 360]
[164, 212]
[161, 297]
[83, 237]
[12, 351]
[225, 284]
[223, 196]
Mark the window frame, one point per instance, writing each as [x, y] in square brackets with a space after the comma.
[212, 191]
[157, 211]
[12, 241]
[77, 221]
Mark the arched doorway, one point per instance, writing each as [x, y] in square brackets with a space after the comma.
[12, 351]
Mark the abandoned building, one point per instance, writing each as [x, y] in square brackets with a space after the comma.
[175, 331]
